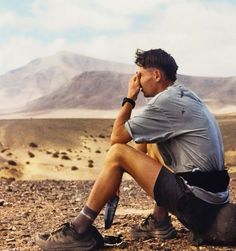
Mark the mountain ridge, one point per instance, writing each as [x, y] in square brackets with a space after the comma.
[105, 90]
[68, 80]
[42, 76]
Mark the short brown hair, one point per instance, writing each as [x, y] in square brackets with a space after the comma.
[157, 58]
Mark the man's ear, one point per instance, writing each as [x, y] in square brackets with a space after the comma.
[158, 75]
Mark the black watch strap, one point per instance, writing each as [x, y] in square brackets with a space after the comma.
[129, 100]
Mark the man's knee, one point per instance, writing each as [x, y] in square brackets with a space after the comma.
[115, 152]
[117, 149]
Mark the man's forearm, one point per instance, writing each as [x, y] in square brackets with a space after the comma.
[119, 132]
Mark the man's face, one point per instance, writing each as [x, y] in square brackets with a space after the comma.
[148, 81]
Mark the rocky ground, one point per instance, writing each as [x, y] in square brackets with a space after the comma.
[38, 160]
[29, 207]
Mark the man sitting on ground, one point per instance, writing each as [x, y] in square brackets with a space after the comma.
[193, 184]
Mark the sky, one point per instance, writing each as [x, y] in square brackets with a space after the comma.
[199, 34]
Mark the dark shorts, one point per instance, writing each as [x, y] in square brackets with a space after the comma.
[171, 193]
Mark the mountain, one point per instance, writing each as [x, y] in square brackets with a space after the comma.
[215, 91]
[105, 90]
[42, 76]
[89, 90]
[69, 80]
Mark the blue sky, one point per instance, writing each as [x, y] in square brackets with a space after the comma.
[200, 34]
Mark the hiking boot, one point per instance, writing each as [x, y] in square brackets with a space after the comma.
[65, 238]
[150, 228]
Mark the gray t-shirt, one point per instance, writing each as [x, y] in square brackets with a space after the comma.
[187, 134]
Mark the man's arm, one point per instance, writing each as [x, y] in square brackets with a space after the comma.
[119, 132]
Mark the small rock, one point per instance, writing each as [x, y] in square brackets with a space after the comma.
[126, 188]
[12, 162]
[90, 165]
[32, 144]
[9, 189]
[31, 155]
[10, 240]
[74, 168]
[25, 214]
[55, 155]
[2, 202]
[4, 150]
[65, 157]
[101, 136]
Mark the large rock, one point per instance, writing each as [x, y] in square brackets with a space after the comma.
[223, 229]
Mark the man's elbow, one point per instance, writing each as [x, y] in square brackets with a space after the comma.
[115, 139]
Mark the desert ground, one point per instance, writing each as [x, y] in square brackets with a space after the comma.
[47, 168]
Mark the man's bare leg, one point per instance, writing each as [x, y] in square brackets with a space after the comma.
[81, 235]
[159, 213]
[158, 224]
[120, 158]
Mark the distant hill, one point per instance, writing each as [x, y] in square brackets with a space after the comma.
[68, 80]
[105, 90]
[215, 91]
[89, 90]
[42, 76]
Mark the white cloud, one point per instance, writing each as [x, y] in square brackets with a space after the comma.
[20, 50]
[59, 15]
[7, 18]
[199, 34]
[124, 7]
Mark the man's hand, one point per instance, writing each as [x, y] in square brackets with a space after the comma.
[119, 132]
[134, 86]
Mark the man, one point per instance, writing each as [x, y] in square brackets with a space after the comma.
[192, 185]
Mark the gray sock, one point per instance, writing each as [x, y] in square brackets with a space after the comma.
[84, 220]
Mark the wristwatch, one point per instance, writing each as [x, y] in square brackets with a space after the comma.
[129, 100]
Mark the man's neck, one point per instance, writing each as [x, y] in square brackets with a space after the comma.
[165, 85]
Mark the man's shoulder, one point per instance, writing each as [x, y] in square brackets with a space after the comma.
[168, 94]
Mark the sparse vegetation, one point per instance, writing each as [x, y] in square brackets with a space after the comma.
[74, 168]
[55, 155]
[90, 163]
[101, 136]
[32, 144]
[65, 157]
[12, 162]
[31, 155]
